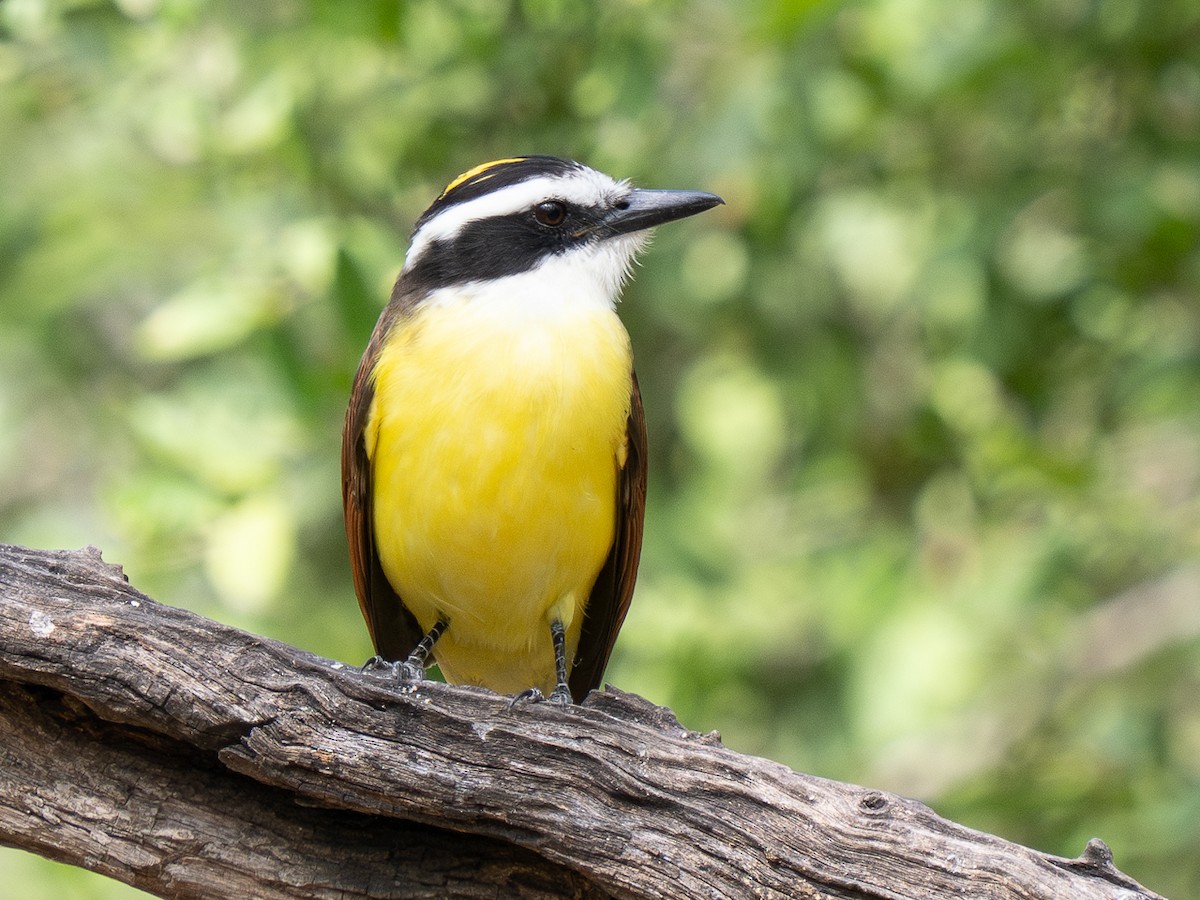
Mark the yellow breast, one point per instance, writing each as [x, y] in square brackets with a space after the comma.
[496, 437]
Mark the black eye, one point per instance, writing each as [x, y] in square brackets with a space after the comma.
[551, 213]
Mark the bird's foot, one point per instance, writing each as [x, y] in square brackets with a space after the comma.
[561, 695]
[410, 672]
[406, 671]
[529, 695]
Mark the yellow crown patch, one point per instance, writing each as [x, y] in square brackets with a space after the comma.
[478, 171]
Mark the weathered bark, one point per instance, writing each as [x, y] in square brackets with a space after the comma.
[195, 760]
[166, 817]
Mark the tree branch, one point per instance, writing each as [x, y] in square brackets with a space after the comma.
[195, 760]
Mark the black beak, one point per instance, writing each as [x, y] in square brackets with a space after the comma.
[642, 209]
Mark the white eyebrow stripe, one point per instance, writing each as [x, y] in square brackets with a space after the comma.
[586, 187]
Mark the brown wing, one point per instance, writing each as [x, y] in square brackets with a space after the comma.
[613, 590]
[393, 629]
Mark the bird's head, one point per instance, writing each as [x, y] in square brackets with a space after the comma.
[559, 221]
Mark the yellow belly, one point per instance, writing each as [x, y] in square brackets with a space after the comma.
[495, 443]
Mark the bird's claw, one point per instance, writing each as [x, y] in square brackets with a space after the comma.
[410, 672]
[560, 696]
[529, 695]
[406, 671]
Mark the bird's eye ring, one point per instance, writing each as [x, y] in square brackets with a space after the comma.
[551, 213]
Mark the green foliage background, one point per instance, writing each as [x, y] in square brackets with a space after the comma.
[923, 398]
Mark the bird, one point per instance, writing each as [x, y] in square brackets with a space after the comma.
[494, 449]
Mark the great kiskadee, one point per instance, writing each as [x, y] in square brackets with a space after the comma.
[494, 452]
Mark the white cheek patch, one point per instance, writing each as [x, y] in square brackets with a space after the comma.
[588, 277]
[585, 187]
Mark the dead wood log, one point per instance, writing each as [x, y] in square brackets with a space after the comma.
[194, 760]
